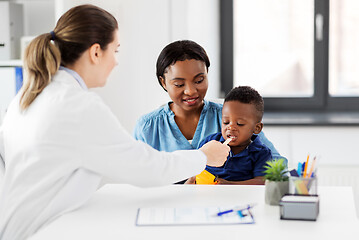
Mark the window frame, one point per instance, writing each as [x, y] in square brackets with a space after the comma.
[321, 101]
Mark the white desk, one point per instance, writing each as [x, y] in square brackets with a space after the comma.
[111, 214]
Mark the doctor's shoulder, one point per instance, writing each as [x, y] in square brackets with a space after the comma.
[68, 97]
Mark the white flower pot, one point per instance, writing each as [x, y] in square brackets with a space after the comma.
[274, 191]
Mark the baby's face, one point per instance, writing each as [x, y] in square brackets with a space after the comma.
[239, 122]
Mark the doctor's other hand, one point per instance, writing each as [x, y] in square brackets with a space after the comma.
[216, 153]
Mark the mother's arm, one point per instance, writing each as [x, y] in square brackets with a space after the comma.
[269, 144]
[138, 133]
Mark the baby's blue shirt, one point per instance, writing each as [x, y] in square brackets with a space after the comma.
[245, 165]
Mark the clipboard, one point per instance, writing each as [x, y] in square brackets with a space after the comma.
[191, 216]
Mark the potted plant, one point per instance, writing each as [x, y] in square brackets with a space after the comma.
[276, 181]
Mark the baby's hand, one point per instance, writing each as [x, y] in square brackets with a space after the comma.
[223, 181]
[191, 180]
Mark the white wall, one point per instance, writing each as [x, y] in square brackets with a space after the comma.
[39, 16]
[334, 145]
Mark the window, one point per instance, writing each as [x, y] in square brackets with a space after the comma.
[300, 55]
[344, 48]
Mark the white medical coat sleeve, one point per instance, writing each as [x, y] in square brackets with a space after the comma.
[112, 152]
[2, 156]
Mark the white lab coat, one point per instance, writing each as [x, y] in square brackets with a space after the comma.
[58, 150]
[2, 163]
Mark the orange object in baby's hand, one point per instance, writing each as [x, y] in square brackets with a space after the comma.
[206, 177]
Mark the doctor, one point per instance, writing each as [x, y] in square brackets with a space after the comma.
[58, 140]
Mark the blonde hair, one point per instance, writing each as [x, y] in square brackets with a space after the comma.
[42, 60]
[76, 31]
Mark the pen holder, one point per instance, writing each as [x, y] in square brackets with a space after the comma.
[303, 186]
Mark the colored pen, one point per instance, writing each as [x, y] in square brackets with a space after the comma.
[312, 168]
[299, 170]
[303, 166]
[235, 210]
[306, 167]
[294, 173]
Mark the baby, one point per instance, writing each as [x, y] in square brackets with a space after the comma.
[241, 122]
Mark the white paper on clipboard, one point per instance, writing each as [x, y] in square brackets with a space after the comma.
[190, 216]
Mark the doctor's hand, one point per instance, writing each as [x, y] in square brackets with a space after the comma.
[216, 153]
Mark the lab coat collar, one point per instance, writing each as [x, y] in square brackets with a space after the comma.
[76, 76]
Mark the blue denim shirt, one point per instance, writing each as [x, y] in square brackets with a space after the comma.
[159, 129]
[245, 165]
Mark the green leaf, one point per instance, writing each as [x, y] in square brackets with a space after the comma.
[276, 170]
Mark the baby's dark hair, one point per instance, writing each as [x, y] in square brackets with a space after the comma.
[246, 94]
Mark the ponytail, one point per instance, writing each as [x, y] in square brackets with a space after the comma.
[75, 32]
[42, 60]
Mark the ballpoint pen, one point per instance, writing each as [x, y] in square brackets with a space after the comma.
[236, 209]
